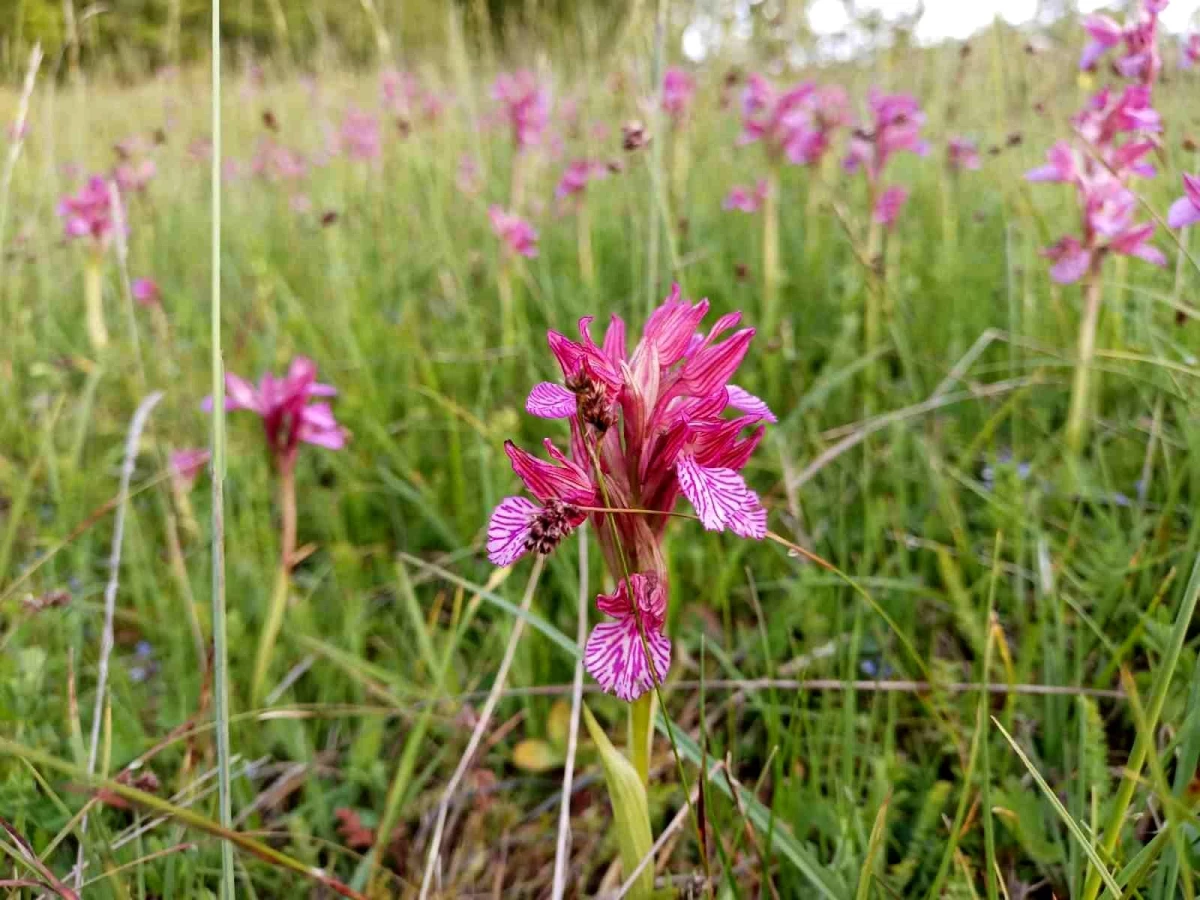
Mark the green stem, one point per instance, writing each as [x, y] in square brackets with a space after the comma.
[641, 734]
[279, 596]
[1081, 384]
[771, 253]
[508, 325]
[583, 227]
[93, 296]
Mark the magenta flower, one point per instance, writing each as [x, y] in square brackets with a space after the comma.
[1108, 227]
[89, 213]
[145, 291]
[1140, 60]
[797, 124]
[962, 153]
[895, 128]
[517, 234]
[284, 404]
[889, 204]
[577, 175]
[133, 177]
[646, 427]
[276, 162]
[614, 654]
[526, 105]
[1190, 52]
[677, 91]
[1186, 210]
[748, 200]
[186, 466]
[359, 136]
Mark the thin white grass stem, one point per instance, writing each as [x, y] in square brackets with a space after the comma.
[110, 598]
[220, 650]
[14, 149]
[485, 717]
[563, 848]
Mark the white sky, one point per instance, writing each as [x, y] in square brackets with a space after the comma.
[961, 18]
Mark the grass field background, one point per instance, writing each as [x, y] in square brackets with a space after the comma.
[931, 471]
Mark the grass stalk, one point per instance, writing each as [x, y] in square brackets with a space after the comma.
[217, 365]
[1077, 424]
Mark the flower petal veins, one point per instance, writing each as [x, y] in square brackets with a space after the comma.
[615, 657]
[742, 399]
[718, 495]
[508, 530]
[551, 401]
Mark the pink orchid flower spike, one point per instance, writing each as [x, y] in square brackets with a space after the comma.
[286, 407]
[646, 427]
[1186, 210]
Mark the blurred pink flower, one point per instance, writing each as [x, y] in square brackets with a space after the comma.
[895, 128]
[186, 466]
[1140, 60]
[89, 213]
[577, 175]
[1189, 54]
[300, 204]
[797, 124]
[748, 200]
[468, 178]
[359, 136]
[651, 424]
[889, 204]
[517, 234]
[133, 177]
[962, 153]
[145, 291]
[1186, 210]
[276, 162]
[526, 106]
[677, 91]
[288, 415]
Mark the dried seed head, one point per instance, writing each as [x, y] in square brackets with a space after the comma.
[592, 401]
[555, 522]
[269, 120]
[634, 135]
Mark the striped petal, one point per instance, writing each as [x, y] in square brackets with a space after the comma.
[551, 401]
[740, 398]
[717, 494]
[508, 530]
[616, 658]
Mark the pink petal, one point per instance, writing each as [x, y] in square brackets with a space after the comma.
[712, 367]
[1071, 267]
[717, 494]
[616, 658]
[740, 398]
[551, 401]
[508, 530]
[547, 481]
[240, 394]
[751, 520]
[1191, 187]
[1183, 212]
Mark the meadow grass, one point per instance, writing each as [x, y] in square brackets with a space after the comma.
[987, 685]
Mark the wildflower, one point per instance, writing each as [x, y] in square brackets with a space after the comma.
[134, 177]
[1141, 60]
[517, 234]
[89, 213]
[889, 204]
[677, 91]
[962, 153]
[145, 291]
[614, 654]
[797, 123]
[468, 178]
[186, 466]
[896, 128]
[748, 200]
[645, 427]
[526, 105]
[1190, 52]
[284, 404]
[577, 175]
[1186, 210]
[634, 135]
[359, 135]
